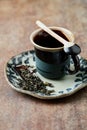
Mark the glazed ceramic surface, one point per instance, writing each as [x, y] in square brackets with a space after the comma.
[61, 88]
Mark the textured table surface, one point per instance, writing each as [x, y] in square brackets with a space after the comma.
[17, 21]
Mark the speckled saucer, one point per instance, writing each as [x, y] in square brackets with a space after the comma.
[62, 88]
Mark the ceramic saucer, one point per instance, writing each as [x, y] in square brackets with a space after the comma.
[61, 88]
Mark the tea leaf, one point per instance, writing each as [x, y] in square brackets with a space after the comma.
[31, 82]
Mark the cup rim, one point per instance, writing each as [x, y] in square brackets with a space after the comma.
[65, 31]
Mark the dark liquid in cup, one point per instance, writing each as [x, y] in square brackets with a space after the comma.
[45, 40]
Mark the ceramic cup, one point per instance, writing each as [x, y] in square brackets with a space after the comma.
[51, 60]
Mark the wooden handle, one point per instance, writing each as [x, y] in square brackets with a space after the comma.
[53, 34]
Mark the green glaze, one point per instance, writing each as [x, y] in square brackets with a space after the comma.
[51, 71]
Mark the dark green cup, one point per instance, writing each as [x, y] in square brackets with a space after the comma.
[51, 60]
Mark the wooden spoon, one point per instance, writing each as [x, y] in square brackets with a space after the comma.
[69, 47]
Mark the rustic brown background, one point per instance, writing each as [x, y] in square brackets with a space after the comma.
[17, 21]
